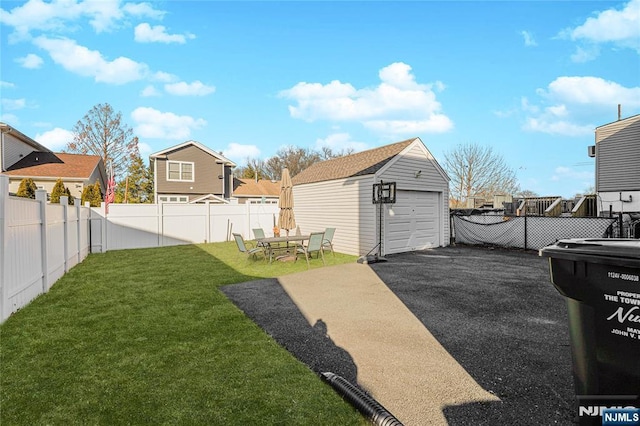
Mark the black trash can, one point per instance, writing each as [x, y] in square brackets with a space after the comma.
[600, 279]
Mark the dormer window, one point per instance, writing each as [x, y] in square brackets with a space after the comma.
[181, 171]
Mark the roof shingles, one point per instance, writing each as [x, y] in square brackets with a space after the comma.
[59, 165]
[358, 164]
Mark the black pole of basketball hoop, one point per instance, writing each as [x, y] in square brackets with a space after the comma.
[383, 193]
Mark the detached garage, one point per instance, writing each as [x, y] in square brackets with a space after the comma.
[339, 193]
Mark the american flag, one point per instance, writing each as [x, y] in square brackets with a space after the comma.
[109, 196]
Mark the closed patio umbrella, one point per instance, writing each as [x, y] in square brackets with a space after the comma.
[286, 219]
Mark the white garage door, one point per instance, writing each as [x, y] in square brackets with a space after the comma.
[413, 222]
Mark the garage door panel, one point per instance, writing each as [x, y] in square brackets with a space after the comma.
[412, 223]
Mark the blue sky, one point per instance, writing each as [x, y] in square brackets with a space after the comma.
[530, 79]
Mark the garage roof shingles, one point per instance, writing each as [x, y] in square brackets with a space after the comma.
[59, 165]
[358, 164]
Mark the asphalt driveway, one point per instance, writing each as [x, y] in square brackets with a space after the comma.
[493, 312]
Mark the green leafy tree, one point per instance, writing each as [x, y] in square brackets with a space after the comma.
[68, 194]
[102, 132]
[95, 198]
[92, 194]
[27, 188]
[58, 190]
[137, 187]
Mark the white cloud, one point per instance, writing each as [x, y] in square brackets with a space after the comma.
[528, 38]
[149, 91]
[145, 33]
[7, 84]
[554, 127]
[585, 54]
[31, 61]
[13, 104]
[619, 27]
[59, 15]
[569, 105]
[592, 91]
[145, 149]
[55, 139]
[238, 152]
[163, 77]
[397, 104]
[340, 142]
[90, 63]
[151, 123]
[11, 119]
[197, 88]
[563, 173]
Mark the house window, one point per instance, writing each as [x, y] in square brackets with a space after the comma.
[180, 171]
[173, 199]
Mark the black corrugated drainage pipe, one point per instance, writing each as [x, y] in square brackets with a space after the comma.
[364, 403]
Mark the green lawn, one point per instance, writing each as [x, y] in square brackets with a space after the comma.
[145, 337]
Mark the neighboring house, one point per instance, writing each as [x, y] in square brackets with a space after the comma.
[45, 168]
[617, 153]
[15, 145]
[338, 193]
[22, 157]
[263, 191]
[191, 173]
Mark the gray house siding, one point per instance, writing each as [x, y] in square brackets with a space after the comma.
[13, 150]
[206, 170]
[618, 156]
[344, 204]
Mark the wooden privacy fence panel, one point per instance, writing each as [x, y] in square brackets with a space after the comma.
[39, 243]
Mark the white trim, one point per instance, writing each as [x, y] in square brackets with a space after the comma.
[209, 197]
[416, 142]
[182, 199]
[193, 171]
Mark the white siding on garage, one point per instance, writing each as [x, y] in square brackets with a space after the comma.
[402, 170]
[413, 222]
[344, 204]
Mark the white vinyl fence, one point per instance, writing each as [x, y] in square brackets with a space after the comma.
[129, 226]
[40, 242]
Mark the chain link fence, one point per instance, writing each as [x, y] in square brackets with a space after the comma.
[529, 232]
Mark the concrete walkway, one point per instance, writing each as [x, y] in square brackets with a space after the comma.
[398, 361]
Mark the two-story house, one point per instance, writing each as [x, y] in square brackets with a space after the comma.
[191, 173]
[617, 153]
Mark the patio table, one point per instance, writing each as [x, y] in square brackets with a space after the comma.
[270, 243]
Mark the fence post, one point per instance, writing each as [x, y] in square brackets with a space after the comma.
[4, 279]
[207, 226]
[41, 196]
[64, 202]
[103, 227]
[76, 204]
[525, 229]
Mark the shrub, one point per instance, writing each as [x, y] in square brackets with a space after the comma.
[27, 188]
[57, 191]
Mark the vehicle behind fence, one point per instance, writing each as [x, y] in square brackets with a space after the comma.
[534, 232]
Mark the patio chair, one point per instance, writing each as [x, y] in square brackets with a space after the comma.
[327, 241]
[249, 251]
[258, 233]
[314, 245]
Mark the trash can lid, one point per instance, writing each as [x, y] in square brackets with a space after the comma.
[609, 247]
